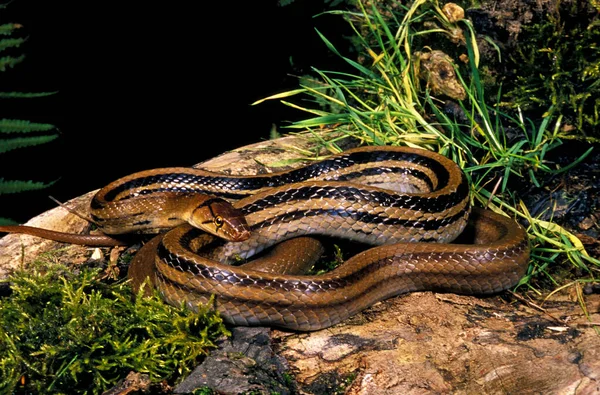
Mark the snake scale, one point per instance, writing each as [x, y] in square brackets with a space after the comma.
[409, 204]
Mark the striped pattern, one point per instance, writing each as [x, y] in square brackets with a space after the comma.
[395, 198]
[350, 166]
[250, 297]
[154, 200]
[389, 197]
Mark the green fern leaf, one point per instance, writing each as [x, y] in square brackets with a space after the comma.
[17, 186]
[24, 95]
[23, 126]
[7, 221]
[9, 61]
[15, 126]
[22, 142]
[8, 28]
[11, 43]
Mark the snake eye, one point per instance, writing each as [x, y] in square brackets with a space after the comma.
[219, 221]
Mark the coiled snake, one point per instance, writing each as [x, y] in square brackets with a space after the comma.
[410, 203]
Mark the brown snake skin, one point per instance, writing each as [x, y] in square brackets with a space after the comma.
[305, 303]
[495, 259]
[410, 203]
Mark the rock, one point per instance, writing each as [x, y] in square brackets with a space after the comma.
[244, 363]
[20, 250]
[426, 343]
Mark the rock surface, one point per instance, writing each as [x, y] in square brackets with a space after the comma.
[426, 343]
[244, 363]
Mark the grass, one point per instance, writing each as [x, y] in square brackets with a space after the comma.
[383, 102]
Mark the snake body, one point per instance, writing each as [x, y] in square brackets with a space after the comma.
[305, 303]
[409, 203]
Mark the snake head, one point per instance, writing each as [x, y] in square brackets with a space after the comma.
[220, 218]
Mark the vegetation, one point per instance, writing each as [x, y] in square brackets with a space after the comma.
[389, 99]
[65, 332]
[18, 133]
[557, 61]
[62, 333]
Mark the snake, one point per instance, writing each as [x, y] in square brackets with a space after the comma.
[408, 205]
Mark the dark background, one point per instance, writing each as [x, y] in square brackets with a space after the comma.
[143, 86]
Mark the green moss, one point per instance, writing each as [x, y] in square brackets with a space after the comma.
[346, 383]
[556, 62]
[203, 391]
[71, 333]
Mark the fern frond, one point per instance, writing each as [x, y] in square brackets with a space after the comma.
[22, 142]
[7, 221]
[17, 186]
[11, 43]
[9, 61]
[8, 28]
[24, 95]
[44, 132]
[23, 126]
